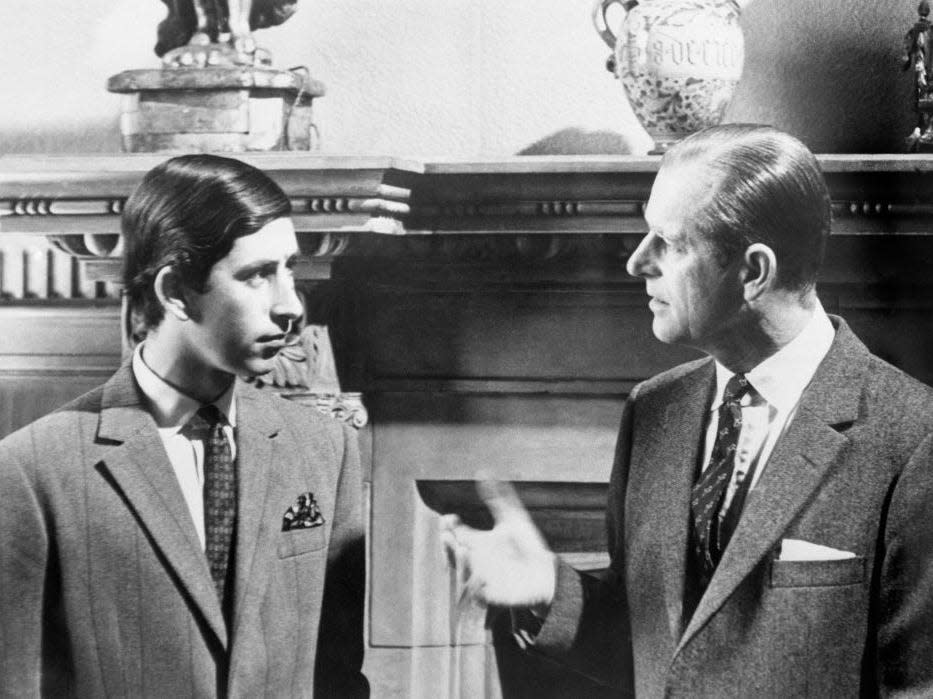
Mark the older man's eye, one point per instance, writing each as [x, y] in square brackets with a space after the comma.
[661, 243]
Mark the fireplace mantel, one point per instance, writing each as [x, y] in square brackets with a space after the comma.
[349, 198]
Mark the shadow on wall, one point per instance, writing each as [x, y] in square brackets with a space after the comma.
[576, 141]
[102, 136]
[828, 72]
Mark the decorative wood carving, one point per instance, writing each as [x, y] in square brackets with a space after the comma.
[355, 196]
[305, 371]
[54, 195]
[346, 407]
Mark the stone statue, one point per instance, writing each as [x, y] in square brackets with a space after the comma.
[199, 33]
[919, 60]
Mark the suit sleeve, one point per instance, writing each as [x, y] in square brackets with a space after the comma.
[904, 607]
[23, 554]
[587, 626]
[338, 669]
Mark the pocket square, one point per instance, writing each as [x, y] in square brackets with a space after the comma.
[799, 550]
[303, 514]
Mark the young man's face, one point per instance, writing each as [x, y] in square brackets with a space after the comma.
[238, 324]
[694, 298]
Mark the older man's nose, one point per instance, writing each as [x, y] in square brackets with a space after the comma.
[641, 262]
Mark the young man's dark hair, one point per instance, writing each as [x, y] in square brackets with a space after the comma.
[187, 213]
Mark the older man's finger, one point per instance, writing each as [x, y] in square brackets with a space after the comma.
[501, 499]
[450, 521]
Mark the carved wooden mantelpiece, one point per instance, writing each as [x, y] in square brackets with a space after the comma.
[541, 218]
[523, 220]
[78, 199]
[455, 224]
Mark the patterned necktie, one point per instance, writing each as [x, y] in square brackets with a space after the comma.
[219, 495]
[709, 491]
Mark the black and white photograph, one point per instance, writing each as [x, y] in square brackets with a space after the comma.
[455, 350]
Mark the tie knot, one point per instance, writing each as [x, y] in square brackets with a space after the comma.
[207, 417]
[736, 387]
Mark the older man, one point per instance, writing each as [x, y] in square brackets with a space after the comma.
[771, 506]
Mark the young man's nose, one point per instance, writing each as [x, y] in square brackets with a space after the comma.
[287, 305]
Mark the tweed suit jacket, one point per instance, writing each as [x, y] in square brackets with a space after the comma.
[104, 586]
[853, 471]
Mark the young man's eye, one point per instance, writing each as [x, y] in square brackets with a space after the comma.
[257, 277]
[264, 274]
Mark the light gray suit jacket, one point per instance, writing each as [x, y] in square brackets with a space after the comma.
[104, 586]
[854, 471]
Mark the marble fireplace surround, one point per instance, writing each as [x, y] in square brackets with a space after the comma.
[482, 311]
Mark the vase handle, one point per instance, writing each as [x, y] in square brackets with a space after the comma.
[599, 18]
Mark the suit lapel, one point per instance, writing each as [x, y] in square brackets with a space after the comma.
[801, 460]
[140, 468]
[259, 460]
[674, 448]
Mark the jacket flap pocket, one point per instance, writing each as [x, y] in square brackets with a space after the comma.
[844, 571]
[297, 541]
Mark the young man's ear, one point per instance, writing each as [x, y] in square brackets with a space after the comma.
[171, 293]
[759, 270]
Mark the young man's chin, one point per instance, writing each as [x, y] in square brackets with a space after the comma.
[257, 367]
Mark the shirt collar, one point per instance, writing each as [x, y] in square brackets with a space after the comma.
[781, 378]
[171, 408]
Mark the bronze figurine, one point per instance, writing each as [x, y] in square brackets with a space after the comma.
[919, 59]
[201, 33]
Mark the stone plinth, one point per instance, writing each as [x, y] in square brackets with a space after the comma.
[217, 109]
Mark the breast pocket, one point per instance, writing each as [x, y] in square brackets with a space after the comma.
[298, 541]
[845, 571]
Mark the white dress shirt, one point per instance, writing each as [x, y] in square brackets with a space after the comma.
[172, 410]
[779, 381]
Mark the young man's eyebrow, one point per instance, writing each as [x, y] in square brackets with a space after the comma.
[259, 266]
[266, 265]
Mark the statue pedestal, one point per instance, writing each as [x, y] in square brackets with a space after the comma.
[216, 109]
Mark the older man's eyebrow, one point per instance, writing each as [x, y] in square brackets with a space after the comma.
[659, 232]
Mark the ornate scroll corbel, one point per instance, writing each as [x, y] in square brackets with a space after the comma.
[305, 371]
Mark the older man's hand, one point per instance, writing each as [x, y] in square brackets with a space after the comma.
[509, 565]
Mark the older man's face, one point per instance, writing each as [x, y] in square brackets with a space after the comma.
[694, 297]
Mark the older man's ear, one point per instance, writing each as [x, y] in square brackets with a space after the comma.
[759, 271]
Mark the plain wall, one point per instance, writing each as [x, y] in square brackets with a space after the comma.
[475, 78]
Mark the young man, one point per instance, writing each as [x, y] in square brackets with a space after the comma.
[771, 506]
[177, 532]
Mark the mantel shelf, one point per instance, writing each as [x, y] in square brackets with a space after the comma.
[70, 197]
